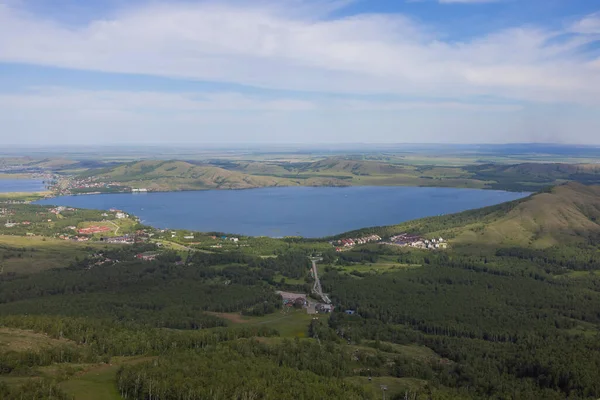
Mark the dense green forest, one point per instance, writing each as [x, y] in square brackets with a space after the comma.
[487, 320]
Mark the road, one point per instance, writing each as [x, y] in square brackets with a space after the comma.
[317, 289]
[115, 225]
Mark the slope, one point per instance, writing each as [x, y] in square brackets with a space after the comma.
[565, 214]
[180, 175]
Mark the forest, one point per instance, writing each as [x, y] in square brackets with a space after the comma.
[472, 322]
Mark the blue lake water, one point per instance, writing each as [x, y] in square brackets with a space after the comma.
[276, 212]
[21, 185]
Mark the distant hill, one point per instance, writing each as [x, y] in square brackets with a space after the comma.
[535, 175]
[565, 214]
[181, 175]
[336, 165]
[339, 171]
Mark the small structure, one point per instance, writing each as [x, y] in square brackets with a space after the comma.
[147, 256]
[324, 308]
[350, 312]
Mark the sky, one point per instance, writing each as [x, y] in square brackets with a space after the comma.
[299, 71]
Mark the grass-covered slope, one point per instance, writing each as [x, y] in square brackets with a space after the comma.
[565, 214]
[181, 175]
[340, 171]
[361, 171]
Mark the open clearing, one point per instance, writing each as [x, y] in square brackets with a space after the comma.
[394, 386]
[98, 382]
[289, 323]
[21, 340]
[376, 267]
[32, 254]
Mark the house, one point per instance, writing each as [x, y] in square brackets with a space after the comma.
[324, 308]
[350, 312]
[234, 239]
[147, 256]
[189, 237]
[121, 215]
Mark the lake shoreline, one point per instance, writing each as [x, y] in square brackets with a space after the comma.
[310, 212]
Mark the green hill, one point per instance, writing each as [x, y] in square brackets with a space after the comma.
[180, 175]
[163, 175]
[568, 213]
[565, 214]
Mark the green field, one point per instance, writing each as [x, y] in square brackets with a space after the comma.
[33, 254]
[97, 382]
[289, 323]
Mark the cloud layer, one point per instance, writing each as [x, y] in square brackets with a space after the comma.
[371, 62]
[267, 46]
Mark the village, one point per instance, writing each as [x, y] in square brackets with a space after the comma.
[344, 244]
[418, 242]
[69, 185]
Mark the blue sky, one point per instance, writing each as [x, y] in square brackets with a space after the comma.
[299, 71]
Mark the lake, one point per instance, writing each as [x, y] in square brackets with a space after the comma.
[277, 212]
[21, 185]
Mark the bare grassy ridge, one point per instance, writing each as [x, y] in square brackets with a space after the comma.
[180, 175]
[342, 171]
[567, 214]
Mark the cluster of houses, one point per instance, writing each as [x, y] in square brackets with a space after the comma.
[119, 240]
[405, 239]
[101, 259]
[350, 242]
[93, 230]
[85, 184]
[118, 214]
[147, 256]
[58, 210]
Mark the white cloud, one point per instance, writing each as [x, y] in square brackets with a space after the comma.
[270, 46]
[274, 45]
[54, 99]
[65, 116]
[587, 25]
